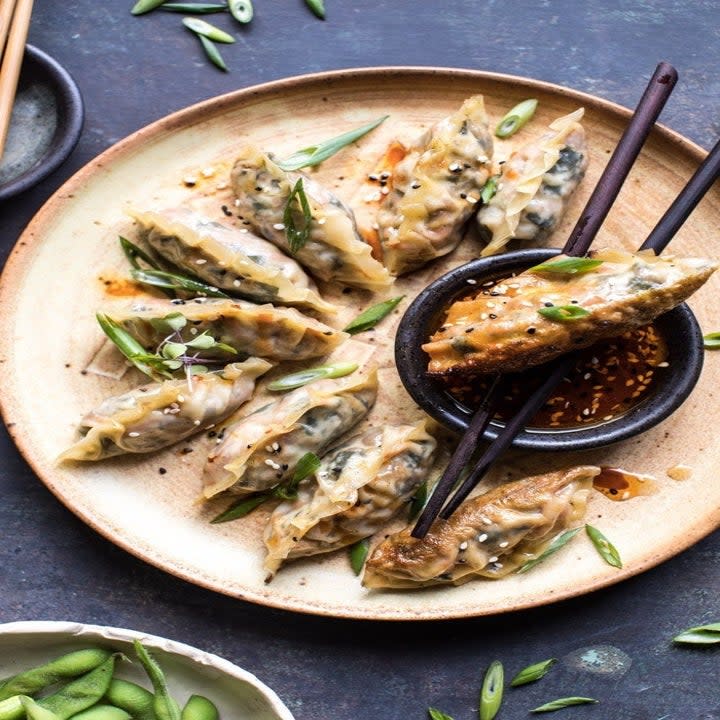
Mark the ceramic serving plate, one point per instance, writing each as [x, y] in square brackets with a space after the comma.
[68, 261]
[236, 692]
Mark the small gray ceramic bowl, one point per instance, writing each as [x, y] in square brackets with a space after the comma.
[679, 327]
[46, 123]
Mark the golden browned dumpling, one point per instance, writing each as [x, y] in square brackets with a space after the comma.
[540, 314]
[488, 536]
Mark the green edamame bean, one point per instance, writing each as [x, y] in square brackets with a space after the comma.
[62, 668]
[81, 693]
[12, 708]
[132, 698]
[200, 708]
[164, 705]
[103, 712]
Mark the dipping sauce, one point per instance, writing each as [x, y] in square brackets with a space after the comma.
[618, 484]
[610, 378]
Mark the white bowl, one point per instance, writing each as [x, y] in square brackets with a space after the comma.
[237, 693]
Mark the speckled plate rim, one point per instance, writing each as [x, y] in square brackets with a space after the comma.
[21, 257]
[56, 631]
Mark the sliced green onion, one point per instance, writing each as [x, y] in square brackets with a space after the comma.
[563, 313]
[143, 6]
[163, 279]
[241, 508]
[372, 316]
[418, 501]
[561, 703]
[205, 29]
[212, 52]
[358, 555]
[303, 377]
[133, 252]
[700, 635]
[197, 8]
[317, 7]
[297, 237]
[533, 672]
[491, 693]
[567, 266]
[435, 714]
[516, 118]
[711, 341]
[315, 154]
[559, 542]
[307, 465]
[489, 190]
[241, 10]
[607, 551]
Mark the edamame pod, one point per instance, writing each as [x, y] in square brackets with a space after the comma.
[81, 693]
[102, 712]
[132, 698]
[199, 708]
[12, 708]
[68, 666]
[33, 711]
[164, 705]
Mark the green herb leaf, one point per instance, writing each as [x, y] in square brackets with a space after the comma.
[241, 10]
[173, 350]
[175, 321]
[315, 154]
[213, 54]
[162, 279]
[489, 190]
[531, 673]
[607, 551]
[307, 465]
[563, 313]
[297, 237]
[435, 714]
[491, 693]
[418, 501]
[202, 341]
[563, 703]
[241, 508]
[372, 316]
[700, 635]
[198, 369]
[559, 542]
[196, 8]
[205, 29]
[303, 377]
[567, 266]
[143, 6]
[516, 118]
[225, 348]
[358, 555]
[133, 252]
[711, 341]
[318, 7]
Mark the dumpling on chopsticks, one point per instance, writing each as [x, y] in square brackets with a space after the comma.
[252, 330]
[261, 450]
[545, 311]
[434, 189]
[159, 414]
[231, 259]
[333, 250]
[360, 485]
[535, 185]
[488, 536]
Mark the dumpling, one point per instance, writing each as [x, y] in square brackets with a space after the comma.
[360, 485]
[535, 185]
[434, 189]
[488, 536]
[230, 259]
[506, 328]
[334, 250]
[258, 330]
[156, 415]
[260, 450]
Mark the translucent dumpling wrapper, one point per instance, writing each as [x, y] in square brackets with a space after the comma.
[502, 328]
[275, 333]
[488, 536]
[334, 249]
[231, 259]
[361, 484]
[262, 449]
[535, 185]
[156, 415]
[435, 188]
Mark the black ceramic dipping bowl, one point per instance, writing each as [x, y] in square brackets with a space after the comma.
[46, 123]
[679, 327]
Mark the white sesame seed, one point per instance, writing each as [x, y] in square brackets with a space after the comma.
[208, 172]
[498, 565]
[472, 199]
[487, 521]
[503, 544]
[190, 180]
[237, 202]
[200, 261]
[493, 559]
[193, 331]
[483, 537]
[221, 185]
[181, 398]
[463, 545]
[586, 376]
[134, 434]
[470, 281]
[279, 226]
[196, 422]
[373, 197]
[321, 221]
[276, 447]
[236, 283]
[663, 364]
[268, 448]
[384, 190]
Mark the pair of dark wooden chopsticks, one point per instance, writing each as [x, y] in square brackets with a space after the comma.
[653, 100]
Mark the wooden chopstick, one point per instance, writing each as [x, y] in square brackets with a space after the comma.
[656, 94]
[12, 57]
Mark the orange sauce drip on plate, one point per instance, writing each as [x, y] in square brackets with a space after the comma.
[618, 484]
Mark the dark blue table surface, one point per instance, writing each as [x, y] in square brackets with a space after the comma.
[132, 71]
